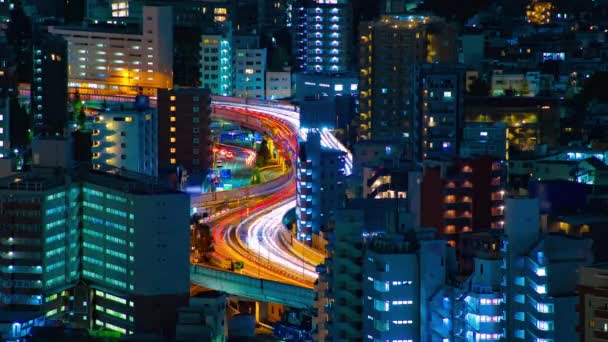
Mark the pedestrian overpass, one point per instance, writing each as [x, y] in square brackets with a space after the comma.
[252, 288]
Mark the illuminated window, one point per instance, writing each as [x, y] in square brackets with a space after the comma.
[172, 160]
[128, 119]
[172, 129]
[172, 108]
[172, 139]
[172, 119]
[172, 149]
[172, 98]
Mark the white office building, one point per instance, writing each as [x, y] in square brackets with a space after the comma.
[216, 63]
[278, 85]
[119, 59]
[126, 140]
[250, 73]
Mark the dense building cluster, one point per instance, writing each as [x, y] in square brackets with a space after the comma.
[400, 170]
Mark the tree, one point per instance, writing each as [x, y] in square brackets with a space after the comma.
[479, 87]
[201, 239]
[263, 155]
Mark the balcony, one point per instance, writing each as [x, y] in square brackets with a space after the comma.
[600, 335]
[601, 313]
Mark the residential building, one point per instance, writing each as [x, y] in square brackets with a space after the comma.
[311, 85]
[112, 59]
[278, 85]
[320, 185]
[115, 273]
[463, 195]
[49, 93]
[216, 62]
[126, 140]
[5, 127]
[272, 15]
[400, 273]
[471, 47]
[342, 273]
[442, 109]
[593, 303]
[323, 35]
[204, 319]
[470, 309]
[485, 139]
[250, 73]
[390, 50]
[483, 300]
[184, 137]
[540, 276]
[344, 278]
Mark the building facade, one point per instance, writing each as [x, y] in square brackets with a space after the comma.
[250, 73]
[397, 283]
[320, 185]
[278, 85]
[49, 93]
[463, 195]
[539, 280]
[485, 139]
[117, 59]
[114, 272]
[593, 303]
[184, 137]
[216, 65]
[442, 110]
[390, 51]
[323, 33]
[126, 140]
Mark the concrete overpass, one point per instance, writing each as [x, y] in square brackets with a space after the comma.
[252, 288]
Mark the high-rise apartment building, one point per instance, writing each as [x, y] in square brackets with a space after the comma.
[342, 304]
[323, 33]
[442, 110]
[273, 15]
[250, 73]
[216, 62]
[401, 272]
[126, 140]
[391, 51]
[320, 185]
[341, 317]
[49, 93]
[540, 276]
[183, 129]
[470, 309]
[593, 303]
[92, 248]
[121, 59]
